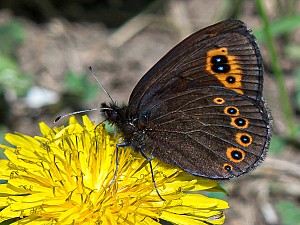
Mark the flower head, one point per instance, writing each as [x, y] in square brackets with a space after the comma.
[65, 177]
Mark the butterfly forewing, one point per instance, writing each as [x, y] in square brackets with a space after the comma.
[190, 64]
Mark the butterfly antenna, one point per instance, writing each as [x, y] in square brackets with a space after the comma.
[97, 79]
[73, 113]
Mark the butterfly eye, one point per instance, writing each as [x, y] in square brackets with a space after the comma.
[112, 116]
[142, 123]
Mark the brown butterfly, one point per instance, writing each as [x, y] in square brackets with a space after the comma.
[201, 107]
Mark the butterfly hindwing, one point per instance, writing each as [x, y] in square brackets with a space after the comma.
[208, 130]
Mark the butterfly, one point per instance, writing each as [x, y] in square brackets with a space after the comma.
[201, 107]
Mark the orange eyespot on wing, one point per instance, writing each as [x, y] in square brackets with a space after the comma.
[219, 101]
[225, 68]
[235, 154]
[243, 139]
[241, 123]
[231, 111]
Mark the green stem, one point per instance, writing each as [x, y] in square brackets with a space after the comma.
[283, 94]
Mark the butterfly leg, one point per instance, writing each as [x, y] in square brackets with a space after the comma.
[124, 144]
[152, 173]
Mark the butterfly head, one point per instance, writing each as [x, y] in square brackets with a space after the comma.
[114, 113]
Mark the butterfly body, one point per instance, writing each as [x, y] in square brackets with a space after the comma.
[201, 107]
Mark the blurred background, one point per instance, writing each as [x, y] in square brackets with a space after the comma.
[47, 46]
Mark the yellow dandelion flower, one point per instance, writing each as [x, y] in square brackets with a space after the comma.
[65, 177]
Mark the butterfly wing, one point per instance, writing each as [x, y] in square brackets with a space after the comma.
[182, 104]
[191, 64]
[208, 131]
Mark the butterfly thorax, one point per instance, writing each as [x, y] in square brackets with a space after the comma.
[131, 128]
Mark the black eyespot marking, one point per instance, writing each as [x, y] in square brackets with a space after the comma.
[227, 167]
[219, 59]
[240, 122]
[220, 64]
[231, 111]
[230, 79]
[245, 139]
[237, 155]
[221, 68]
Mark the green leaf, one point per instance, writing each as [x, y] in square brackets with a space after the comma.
[280, 26]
